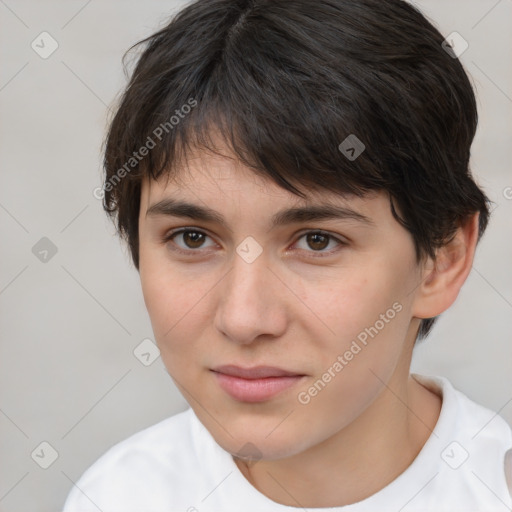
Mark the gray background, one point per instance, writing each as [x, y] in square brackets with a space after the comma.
[68, 375]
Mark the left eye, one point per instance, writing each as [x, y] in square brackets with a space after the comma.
[316, 241]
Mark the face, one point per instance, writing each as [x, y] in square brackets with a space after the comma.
[315, 308]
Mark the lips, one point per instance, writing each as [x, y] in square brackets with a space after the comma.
[257, 372]
[257, 384]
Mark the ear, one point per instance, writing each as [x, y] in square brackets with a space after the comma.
[442, 278]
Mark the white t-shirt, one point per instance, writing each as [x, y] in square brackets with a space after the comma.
[176, 466]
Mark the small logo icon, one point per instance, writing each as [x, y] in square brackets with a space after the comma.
[454, 455]
[44, 45]
[249, 249]
[249, 453]
[44, 455]
[455, 45]
[146, 352]
[44, 250]
[352, 147]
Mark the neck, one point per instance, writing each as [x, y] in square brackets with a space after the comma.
[365, 456]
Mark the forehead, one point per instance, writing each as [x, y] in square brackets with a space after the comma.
[228, 210]
[224, 176]
[215, 186]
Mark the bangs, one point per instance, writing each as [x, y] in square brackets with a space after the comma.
[330, 95]
[283, 123]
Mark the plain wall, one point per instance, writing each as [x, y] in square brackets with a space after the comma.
[68, 375]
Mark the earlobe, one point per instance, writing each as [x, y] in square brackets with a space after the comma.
[442, 279]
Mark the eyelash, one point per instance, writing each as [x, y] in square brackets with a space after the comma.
[315, 254]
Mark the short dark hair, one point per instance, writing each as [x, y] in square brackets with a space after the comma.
[284, 82]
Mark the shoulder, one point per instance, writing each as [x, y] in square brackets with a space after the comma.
[468, 420]
[474, 421]
[470, 443]
[143, 464]
[171, 436]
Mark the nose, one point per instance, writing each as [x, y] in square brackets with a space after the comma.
[251, 302]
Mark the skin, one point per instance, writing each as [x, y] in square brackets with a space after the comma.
[299, 312]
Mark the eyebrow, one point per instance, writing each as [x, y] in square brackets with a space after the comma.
[178, 208]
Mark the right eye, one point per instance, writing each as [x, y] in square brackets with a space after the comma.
[192, 239]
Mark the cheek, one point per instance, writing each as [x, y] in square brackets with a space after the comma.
[367, 315]
[351, 305]
[162, 290]
[162, 287]
[159, 294]
[177, 305]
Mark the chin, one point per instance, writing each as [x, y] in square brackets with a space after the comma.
[255, 443]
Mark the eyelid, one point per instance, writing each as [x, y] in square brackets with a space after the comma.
[169, 235]
[339, 238]
[342, 241]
